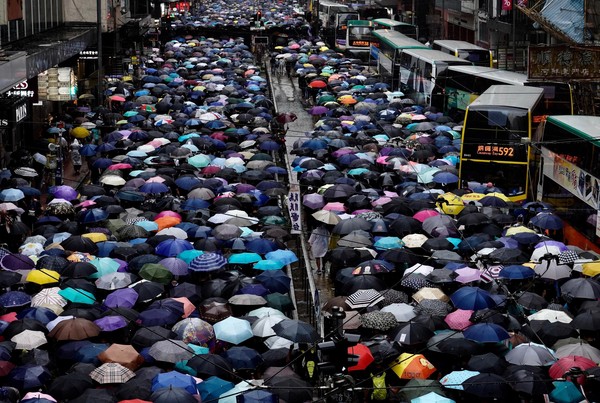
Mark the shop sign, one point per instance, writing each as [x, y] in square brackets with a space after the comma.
[294, 209]
[563, 62]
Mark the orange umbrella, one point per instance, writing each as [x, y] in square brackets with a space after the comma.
[167, 222]
[123, 354]
[317, 84]
[347, 100]
[188, 307]
[410, 366]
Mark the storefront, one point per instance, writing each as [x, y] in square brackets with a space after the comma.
[15, 122]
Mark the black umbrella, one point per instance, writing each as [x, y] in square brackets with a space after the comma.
[411, 334]
[488, 386]
[78, 243]
[207, 365]
[136, 388]
[296, 331]
[291, 389]
[147, 336]
[362, 282]
[488, 362]
[531, 383]
[67, 387]
[459, 347]
[581, 288]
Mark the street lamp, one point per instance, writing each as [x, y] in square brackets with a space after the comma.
[100, 84]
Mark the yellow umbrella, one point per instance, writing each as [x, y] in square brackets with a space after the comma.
[43, 276]
[122, 122]
[127, 78]
[347, 100]
[518, 229]
[80, 132]
[413, 366]
[472, 197]
[591, 269]
[323, 48]
[430, 293]
[450, 203]
[96, 236]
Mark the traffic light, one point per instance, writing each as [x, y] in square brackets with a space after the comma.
[334, 354]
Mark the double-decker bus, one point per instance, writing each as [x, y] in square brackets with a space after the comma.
[410, 30]
[497, 131]
[357, 39]
[458, 86]
[419, 69]
[334, 17]
[386, 49]
[465, 50]
[570, 175]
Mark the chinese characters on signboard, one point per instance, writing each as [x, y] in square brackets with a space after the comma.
[563, 62]
[294, 209]
[495, 151]
[573, 179]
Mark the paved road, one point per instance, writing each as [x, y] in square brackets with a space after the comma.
[288, 98]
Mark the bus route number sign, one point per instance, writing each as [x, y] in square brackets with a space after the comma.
[495, 151]
[360, 43]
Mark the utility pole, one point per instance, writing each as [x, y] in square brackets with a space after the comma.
[100, 85]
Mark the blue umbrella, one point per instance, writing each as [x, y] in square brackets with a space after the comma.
[11, 195]
[211, 388]
[89, 353]
[233, 330]
[43, 315]
[104, 148]
[242, 357]
[154, 188]
[29, 377]
[565, 392]
[194, 204]
[244, 258]
[102, 163]
[516, 272]
[174, 379]
[261, 245]
[12, 299]
[486, 333]
[445, 177]
[159, 317]
[208, 262]
[104, 248]
[472, 298]
[29, 191]
[547, 221]
[269, 265]
[173, 247]
[274, 281]
[94, 215]
[173, 394]
[187, 182]
[137, 135]
[88, 150]
[283, 255]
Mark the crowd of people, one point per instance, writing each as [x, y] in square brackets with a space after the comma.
[165, 279]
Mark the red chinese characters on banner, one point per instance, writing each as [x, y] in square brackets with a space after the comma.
[15, 10]
[506, 5]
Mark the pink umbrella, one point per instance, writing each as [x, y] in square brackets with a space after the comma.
[381, 201]
[156, 179]
[334, 207]
[467, 275]
[167, 213]
[342, 151]
[115, 167]
[382, 160]
[86, 203]
[425, 214]
[459, 319]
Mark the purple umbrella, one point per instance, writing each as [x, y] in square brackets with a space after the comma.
[173, 247]
[110, 323]
[244, 188]
[16, 261]
[313, 201]
[64, 192]
[124, 297]
[175, 265]
[254, 289]
[318, 110]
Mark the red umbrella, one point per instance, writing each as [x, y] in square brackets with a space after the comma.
[365, 358]
[563, 365]
[317, 84]
[286, 117]
[118, 98]
[115, 167]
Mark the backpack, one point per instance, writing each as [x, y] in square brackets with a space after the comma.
[379, 387]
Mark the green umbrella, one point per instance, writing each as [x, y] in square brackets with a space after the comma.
[156, 272]
[273, 220]
[199, 161]
[77, 295]
[115, 224]
[280, 302]
[104, 265]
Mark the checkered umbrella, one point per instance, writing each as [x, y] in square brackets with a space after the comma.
[111, 372]
[567, 257]
[364, 298]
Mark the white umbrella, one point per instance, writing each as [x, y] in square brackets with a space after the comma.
[401, 311]
[50, 325]
[551, 316]
[29, 339]
[173, 231]
[263, 326]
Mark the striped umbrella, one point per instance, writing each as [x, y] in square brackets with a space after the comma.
[364, 298]
[208, 262]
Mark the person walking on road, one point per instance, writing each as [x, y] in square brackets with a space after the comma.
[319, 244]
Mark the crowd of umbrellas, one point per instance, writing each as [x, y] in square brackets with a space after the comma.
[458, 294]
[166, 280]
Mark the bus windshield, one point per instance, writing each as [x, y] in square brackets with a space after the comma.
[477, 57]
